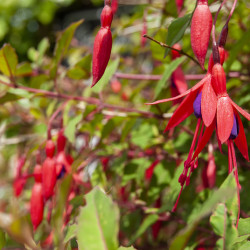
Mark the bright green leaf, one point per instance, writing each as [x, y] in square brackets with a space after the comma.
[8, 60]
[98, 223]
[176, 30]
[24, 69]
[147, 222]
[71, 128]
[109, 72]
[62, 45]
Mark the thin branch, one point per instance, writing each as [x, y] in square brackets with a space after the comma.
[143, 77]
[169, 47]
[89, 100]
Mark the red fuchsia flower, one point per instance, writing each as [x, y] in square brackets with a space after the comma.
[208, 99]
[150, 170]
[102, 44]
[178, 82]
[63, 162]
[36, 201]
[114, 6]
[49, 171]
[202, 101]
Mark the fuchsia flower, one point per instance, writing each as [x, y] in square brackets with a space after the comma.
[210, 103]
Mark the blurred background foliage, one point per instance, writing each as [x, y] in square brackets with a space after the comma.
[131, 141]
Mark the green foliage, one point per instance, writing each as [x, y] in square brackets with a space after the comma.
[109, 199]
[98, 222]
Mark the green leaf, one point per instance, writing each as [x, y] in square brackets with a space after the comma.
[182, 237]
[62, 46]
[71, 233]
[43, 46]
[221, 195]
[244, 227]
[57, 216]
[176, 30]
[109, 72]
[169, 69]
[8, 60]
[246, 246]
[223, 226]
[147, 222]
[76, 73]
[8, 97]
[71, 128]
[24, 69]
[98, 223]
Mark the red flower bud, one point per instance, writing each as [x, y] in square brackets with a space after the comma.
[101, 54]
[36, 205]
[106, 16]
[222, 53]
[201, 26]
[114, 6]
[61, 141]
[50, 148]
[48, 177]
[219, 80]
[38, 173]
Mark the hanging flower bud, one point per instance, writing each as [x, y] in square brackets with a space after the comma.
[48, 177]
[114, 6]
[219, 80]
[61, 141]
[102, 45]
[36, 205]
[50, 148]
[201, 26]
[38, 173]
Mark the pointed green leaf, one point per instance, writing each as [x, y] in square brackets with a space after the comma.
[109, 72]
[176, 30]
[24, 69]
[62, 46]
[147, 222]
[8, 60]
[71, 128]
[98, 223]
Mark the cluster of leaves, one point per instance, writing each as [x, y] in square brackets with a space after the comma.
[114, 138]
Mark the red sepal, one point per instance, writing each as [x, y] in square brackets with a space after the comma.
[183, 111]
[241, 141]
[225, 118]
[208, 103]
